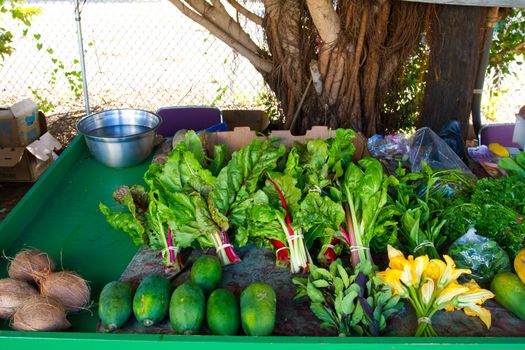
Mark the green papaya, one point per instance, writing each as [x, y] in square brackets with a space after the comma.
[509, 292]
[114, 305]
[222, 312]
[258, 309]
[206, 272]
[187, 306]
[151, 300]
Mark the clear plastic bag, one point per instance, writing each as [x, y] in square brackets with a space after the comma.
[428, 147]
[389, 147]
[483, 256]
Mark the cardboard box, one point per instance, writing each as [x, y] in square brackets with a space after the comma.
[242, 136]
[254, 119]
[19, 124]
[27, 163]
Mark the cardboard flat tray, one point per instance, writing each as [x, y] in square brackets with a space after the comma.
[60, 215]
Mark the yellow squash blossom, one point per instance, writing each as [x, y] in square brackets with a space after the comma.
[431, 285]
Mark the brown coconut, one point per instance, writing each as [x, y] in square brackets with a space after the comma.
[68, 288]
[30, 265]
[13, 293]
[40, 314]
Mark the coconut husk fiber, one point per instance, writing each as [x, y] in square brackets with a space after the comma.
[68, 288]
[30, 265]
[40, 314]
[13, 294]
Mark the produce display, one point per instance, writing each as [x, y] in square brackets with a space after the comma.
[365, 243]
[36, 297]
[328, 218]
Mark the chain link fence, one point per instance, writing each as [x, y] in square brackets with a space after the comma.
[146, 54]
[139, 54]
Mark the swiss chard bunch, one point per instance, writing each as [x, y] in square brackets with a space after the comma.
[355, 303]
[318, 165]
[368, 207]
[142, 223]
[274, 219]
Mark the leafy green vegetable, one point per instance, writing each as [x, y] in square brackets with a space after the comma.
[365, 189]
[420, 199]
[220, 153]
[511, 167]
[355, 303]
[495, 209]
[240, 178]
[483, 256]
[321, 217]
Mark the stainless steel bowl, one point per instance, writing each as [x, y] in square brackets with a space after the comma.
[120, 137]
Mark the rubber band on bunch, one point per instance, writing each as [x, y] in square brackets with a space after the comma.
[294, 237]
[426, 320]
[222, 247]
[356, 248]
[423, 244]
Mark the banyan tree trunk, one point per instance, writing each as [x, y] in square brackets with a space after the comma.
[333, 66]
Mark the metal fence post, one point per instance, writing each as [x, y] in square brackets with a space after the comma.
[81, 52]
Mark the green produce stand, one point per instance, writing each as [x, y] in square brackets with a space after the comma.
[60, 215]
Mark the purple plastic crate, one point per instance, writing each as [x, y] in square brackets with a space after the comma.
[187, 117]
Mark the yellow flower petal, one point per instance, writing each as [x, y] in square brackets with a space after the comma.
[434, 269]
[450, 292]
[392, 278]
[450, 308]
[476, 310]
[475, 297]
[393, 252]
[450, 273]
[427, 290]
[398, 262]
[421, 264]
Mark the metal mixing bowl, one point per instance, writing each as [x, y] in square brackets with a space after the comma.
[120, 137]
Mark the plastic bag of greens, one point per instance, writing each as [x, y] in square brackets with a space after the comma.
[483, 256]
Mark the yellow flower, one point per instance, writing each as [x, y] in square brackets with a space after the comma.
[427, 291]
[394, 253]
[435, 269]
[392, 278]
[450, 292]
[482, 313]
[477, 296]
[408, 274]
[450, 273]
[420, 264]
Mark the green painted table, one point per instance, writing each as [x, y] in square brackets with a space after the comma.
[60, 215]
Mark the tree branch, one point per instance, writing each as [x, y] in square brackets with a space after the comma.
[230, 38]
[218, 15]
[246, 13]
[325, 19]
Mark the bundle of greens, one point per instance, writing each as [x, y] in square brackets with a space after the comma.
[495, 209]
[142, 223]
[189, 206]
[318, 166]
[351, 304]
[420, 199]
